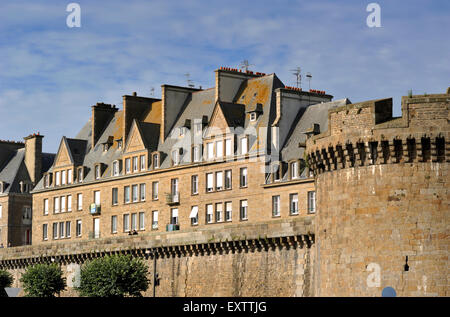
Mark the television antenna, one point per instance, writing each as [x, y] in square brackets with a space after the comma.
[297, 73]
[190, 83]
[245, 65]
[309, 76]
[152, 91]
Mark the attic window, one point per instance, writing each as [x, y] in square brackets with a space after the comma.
[97, 171]
[119, 143]
[155, 160]
[105, 147]
[253, 116]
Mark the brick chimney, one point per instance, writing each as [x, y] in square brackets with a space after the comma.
[101, 115]
[33, 156]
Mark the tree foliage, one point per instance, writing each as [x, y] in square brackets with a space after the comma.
[113, 276]
[43, 280]
[6, 280]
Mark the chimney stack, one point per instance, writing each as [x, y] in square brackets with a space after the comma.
[101, 115]
[33, 156]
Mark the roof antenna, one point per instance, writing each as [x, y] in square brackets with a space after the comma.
[245, 65]
[190, 83]
[152, 91]
[297, 73]
[309, 76]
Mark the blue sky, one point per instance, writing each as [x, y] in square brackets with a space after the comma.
[50, 74]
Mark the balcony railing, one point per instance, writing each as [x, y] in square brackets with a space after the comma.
[173, 198]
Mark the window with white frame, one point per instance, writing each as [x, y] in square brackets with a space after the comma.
[155, 161]
[311, 202]
[97, 197]
[228, 147]
[219, 149]
[69, 203]
[244, 145]
[142, 191]
[219, 180]
[133, 221]
[78, 228]
[128, 165]
[209, 182]
[63, 203]
[276, 206]
[155, 190]
[113, 224]
[294, 170]
[115, 196]
[126, 194]
[45, 231]
[155, 219]
[143, 163]
[174, 216]
[116, 168]
[45, 207]
[210, 150]
[243, 177]
[80, 201]
[126, 223]
[80, 175]
[55, 230]
[293, 202]
[134, 193]
[56, 205]
[194, 184]
[174, 186]
[69, 176]
[209, 213]
[61, 229]
[228, 210]
[228, 179]
[135, 164]
[97, 171]
[141, 220]
[175, 157]
[253, 116]
[58, 178]
[196, 153]
[63, 177]
[68, 229]
[219, 212]
[243, 209]
[194, 215]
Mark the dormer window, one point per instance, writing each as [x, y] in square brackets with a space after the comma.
[128, 165]
[2, 187]
[105, 147]
[276, 172]
[244, 145]
[175, 157]
[155, 160]
[253, 116]
[80, 174]
[97, 171]
[143, 163]
[294, 170]
[116, 168]
[119, 143]
[182, 131]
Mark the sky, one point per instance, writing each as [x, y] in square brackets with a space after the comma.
[51, 74]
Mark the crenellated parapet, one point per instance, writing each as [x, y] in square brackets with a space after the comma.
[365, 134]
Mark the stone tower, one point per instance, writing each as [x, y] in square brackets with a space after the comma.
[383, 198]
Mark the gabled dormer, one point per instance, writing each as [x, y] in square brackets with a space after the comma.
[68, 161]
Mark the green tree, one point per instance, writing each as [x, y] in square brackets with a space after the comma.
[43, 280]
[6, 280]
[113, 276]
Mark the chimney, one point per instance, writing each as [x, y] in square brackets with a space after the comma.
[134, 107]
[101, 115]
[228, 82]
[33, 156]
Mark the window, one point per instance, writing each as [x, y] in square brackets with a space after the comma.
[116, 168]
[174, 216]
[1, 212]
[198, 127]
[26, 213]
[219, 212]
[97, 171]
[210, 150]
[63, 203]
[243, 209]
[45, 231]
[174, 186]
[68, 229]
[45, 208]
[135, 164]
[196, 154]
[134, 193]
[126, 194]
[294, 170]
[78, 228]
[80, 201]
[244, 145]
[58, 178]
[155, 219]
[209, 182]
[175, 157]
[219, 149]
[142, 191]
[69, 176]
[55, 230]
[219, 180]
[155, 161]
[56, 204]
[141, 221]
[97, 197]
[276, 172]
[209, 213]
[194, 184]
[126, 222]
[252, 116]
[63, 177]
[128, 165]
[115, 196]
[143, 164]
[61, 229]
[228, 149]
[243, 178]
[311, 202]
[228, 179]
[133, 222]
[293, 202]
[113, 224]
[155, 190]
[194, 215]
[275, 206]
[228, 211]
[69, 203]
[119, 144]
[46, 182]
[80, 175]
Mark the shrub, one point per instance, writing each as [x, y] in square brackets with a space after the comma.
[6, 280]
[43, 280]
[113, 276]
